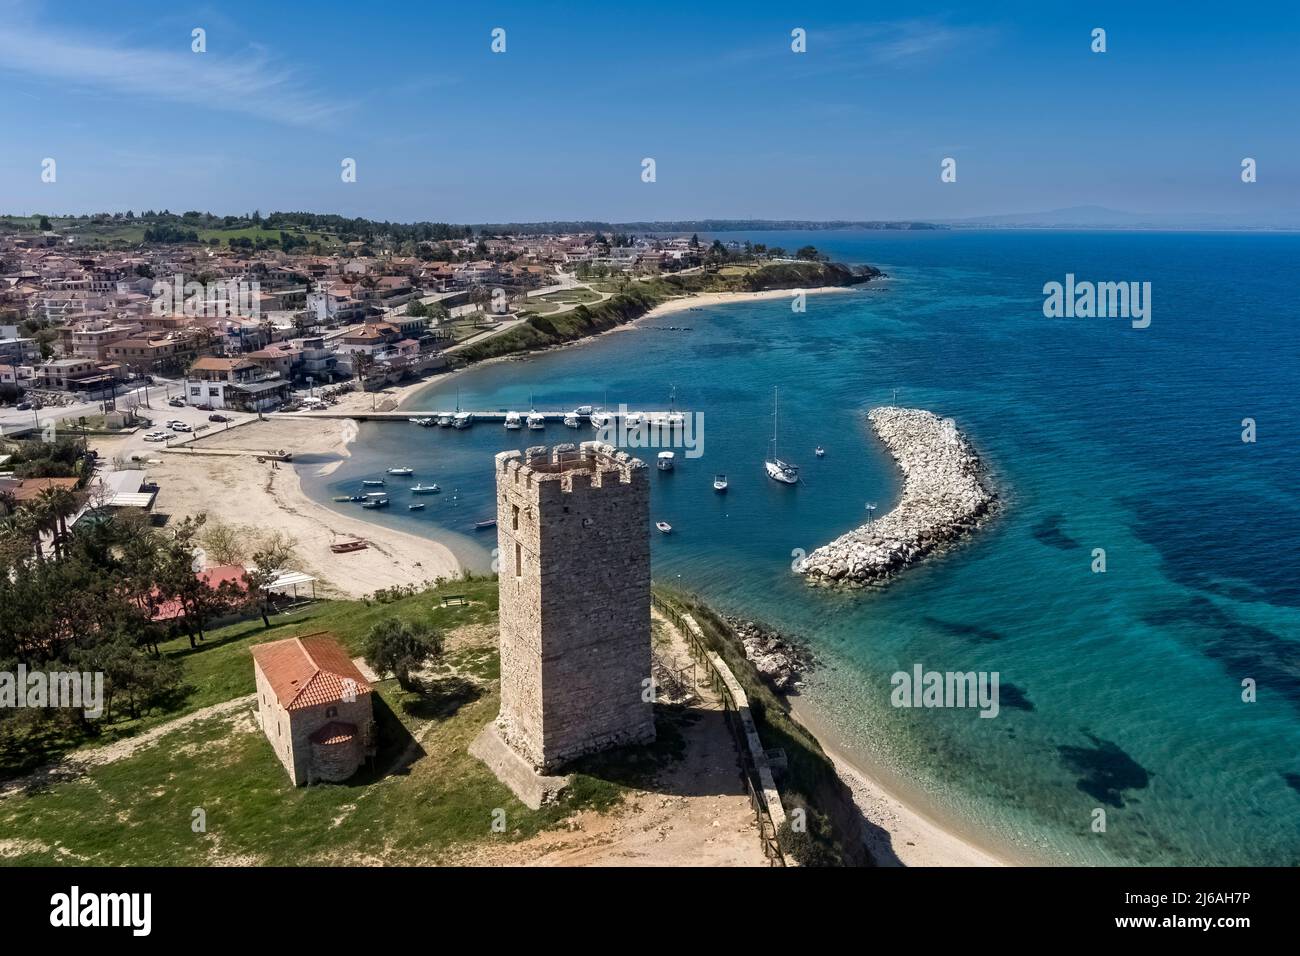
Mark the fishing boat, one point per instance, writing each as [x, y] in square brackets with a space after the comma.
[445, 420]
[572, 420]
[536, 421]
[514, 421]
[819, 451]
[601, 420]
[664, 461]
[420, 489]
[342, 498]
[376, 501]
[484, 525]
[777, 469]
[373, 482]
[664, 527]
[418, 506]
[343, 547]
[633, 419]
[462, 420]
[401, 471]
[422, 422]
[720, 484]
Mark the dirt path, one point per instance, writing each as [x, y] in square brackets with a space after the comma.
[77, 763]
[696, 814]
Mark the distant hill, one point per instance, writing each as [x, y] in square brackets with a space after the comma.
[1100, 217]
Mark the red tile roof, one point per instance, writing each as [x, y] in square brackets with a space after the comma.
[308, 671]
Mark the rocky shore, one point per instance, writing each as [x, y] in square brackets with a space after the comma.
[778, 659]
[946, 495]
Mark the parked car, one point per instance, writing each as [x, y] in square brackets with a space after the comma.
[24, 406]
[181, 427]
[176, 403]
[218, 418]
[156, 436]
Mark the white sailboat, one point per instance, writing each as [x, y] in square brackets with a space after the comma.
[777, 469]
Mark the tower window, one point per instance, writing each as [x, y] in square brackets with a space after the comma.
[514, 517]
[519, 559]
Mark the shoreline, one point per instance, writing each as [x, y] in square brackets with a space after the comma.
[904, 828]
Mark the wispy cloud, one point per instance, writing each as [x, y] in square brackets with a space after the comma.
[852, 47]
[254, 85]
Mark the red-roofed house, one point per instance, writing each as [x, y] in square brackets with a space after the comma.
[314, 706]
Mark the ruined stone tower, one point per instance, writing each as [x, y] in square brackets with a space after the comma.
[573, 528]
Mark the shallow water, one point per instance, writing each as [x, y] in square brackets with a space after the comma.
[1120, 691]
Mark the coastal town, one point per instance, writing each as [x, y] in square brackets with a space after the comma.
[159, 397]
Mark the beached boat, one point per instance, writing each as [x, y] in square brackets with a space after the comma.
[462, 420]
[536, 421]
[401, 471]
[373, 482]
[344, 547]
[777, 469]
[514, 421]
[420, 489]
[664, 527]
[720, 483]
[664, 461]
[417, 506]
[484, 525]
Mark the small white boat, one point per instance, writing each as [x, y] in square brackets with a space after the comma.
[418, 506]
[418, 489]
[514, 421]
[536, 421]
[401, 471]
[820, 452]
[601, 420]
[462, 420]
[374, 482]
[720, 484]
[633, 419]
[664, 461]
[664, 527]
[445, 420]
[572, 420]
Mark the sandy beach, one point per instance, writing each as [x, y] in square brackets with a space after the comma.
[705, 299]
[223, 478]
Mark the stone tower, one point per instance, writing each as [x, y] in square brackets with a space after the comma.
[574, 531]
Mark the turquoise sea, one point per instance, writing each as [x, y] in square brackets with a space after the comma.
[1120, 690]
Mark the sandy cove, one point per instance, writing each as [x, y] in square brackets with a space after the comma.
[235, 488]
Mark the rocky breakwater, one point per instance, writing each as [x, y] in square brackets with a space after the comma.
[946, 495]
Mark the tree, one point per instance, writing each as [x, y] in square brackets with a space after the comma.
[274, 554]
[45, 224]
[401, 648]
[59, 504]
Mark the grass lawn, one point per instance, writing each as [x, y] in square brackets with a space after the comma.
[424, 800]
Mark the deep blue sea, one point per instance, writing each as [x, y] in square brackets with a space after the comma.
[1120, 690]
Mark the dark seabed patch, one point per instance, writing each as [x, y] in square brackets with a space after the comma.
[1009, 695]
[962, 629]
[1049, 532]
[1292, 781]
[1106, 770]
[1243, 650]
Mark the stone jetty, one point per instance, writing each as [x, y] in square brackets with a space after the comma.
[946, 495]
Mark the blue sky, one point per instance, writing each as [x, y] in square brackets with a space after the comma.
[739, 126]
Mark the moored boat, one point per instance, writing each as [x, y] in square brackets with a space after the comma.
[462, 419]
[421, 489]
[777, 469]
[536, 421]
[484, 525]
[720, 483]
[514, 421]
[401, 471]
[445, 420]
[664, 527]
[417, 506]
[819, 451]
[373, 482]
[665, 460]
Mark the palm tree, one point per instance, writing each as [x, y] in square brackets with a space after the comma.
[30, 523]
[8, 503]
[59, 504]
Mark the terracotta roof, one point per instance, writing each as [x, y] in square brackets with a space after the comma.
[26, 489]
[335, 732]
[308, 671]
[226, 574]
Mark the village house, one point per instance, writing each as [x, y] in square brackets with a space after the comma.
[314, 706]
[234, 383]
